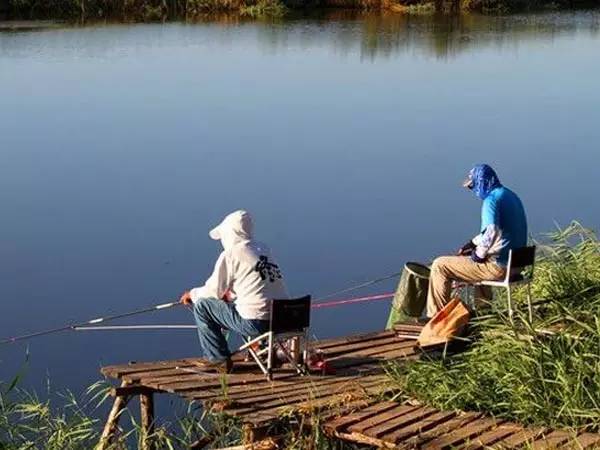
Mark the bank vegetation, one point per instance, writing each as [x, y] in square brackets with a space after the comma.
[156, 10]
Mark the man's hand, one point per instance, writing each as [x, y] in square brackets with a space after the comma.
[186, 298]
[466, 249]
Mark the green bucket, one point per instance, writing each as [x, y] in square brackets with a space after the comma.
[411, 294]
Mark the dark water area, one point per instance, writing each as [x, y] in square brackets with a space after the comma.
[346, 136]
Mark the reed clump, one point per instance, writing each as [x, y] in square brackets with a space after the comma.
[72, 423]
[516, 371]
[510, 6]
[69, 422]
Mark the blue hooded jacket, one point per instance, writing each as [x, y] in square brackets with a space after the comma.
[503, 219]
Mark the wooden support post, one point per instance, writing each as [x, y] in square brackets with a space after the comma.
[295, 349]
[112, 422]
[251, 434]
[147, 420]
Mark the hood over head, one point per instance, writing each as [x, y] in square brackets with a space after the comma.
[482, 180]
[235, 227]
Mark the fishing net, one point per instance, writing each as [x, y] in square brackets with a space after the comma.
[411, 294]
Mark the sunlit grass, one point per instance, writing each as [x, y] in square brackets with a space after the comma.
[517, 372]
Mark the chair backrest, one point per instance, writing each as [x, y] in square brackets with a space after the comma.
[290, 315]
[519, 260]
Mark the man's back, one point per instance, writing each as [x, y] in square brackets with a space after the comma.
[256, 278]
[504, 209]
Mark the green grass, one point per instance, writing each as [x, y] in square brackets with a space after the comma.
[71, 423]
[516, 373]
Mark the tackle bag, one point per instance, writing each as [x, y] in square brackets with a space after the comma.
[451, 321]
[411, 294]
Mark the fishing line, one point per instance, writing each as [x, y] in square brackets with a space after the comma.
[360, 286]
[352, 300]
[97, 320]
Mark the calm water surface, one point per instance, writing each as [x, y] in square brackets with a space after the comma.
[346, 136]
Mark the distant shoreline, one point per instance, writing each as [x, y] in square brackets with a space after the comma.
[39, 14]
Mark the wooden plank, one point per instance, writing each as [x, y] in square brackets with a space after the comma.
[195, 382]
[422, 439]
[399, 422]
[386, 416]
[491, 437]
[208, 392]
[361, 439]
[296, 389]
[117, 371]
[323, 344]
[135, 377]
[271, 400]
[330, 383]
[342, 362]
[519, 439]
[375, 349]
[402, 353]
[199, 380]
[554, 439]
[587, 440]
[465, 433]
[131, 390]
[331, 401]
[423, 425]
[408, 328]
[340, 423]
[364, 345]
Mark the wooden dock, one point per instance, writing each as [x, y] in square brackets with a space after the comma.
[393, 425]
[344, 400]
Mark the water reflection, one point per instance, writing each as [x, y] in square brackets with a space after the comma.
[440, 35]
[370, 35]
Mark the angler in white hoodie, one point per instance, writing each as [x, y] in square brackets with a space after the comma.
[237, 296]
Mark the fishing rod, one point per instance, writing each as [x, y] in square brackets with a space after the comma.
[75, 326]
[88, 325]
[137, 327]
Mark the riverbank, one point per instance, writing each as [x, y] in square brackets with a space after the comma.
[153, 10]
[517, 373]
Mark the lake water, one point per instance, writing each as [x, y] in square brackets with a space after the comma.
[346, 136]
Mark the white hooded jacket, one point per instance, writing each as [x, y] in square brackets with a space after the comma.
[245, 270]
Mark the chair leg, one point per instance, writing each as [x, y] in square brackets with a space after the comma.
[510, 308]
[270, 357]
[529, 307]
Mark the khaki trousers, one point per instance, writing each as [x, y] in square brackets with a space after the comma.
[446, 269]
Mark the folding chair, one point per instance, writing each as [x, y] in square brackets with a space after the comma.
[519, 271]
[288, 319]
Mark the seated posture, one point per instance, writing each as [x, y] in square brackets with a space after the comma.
[484, 258]
[238, 294]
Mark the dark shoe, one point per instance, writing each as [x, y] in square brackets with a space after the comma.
[223, 366]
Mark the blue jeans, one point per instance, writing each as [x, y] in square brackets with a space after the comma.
[212, 315]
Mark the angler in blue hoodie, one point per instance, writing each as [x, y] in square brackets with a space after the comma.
[503, 227]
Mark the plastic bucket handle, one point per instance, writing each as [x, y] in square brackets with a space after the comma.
[418, 270]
